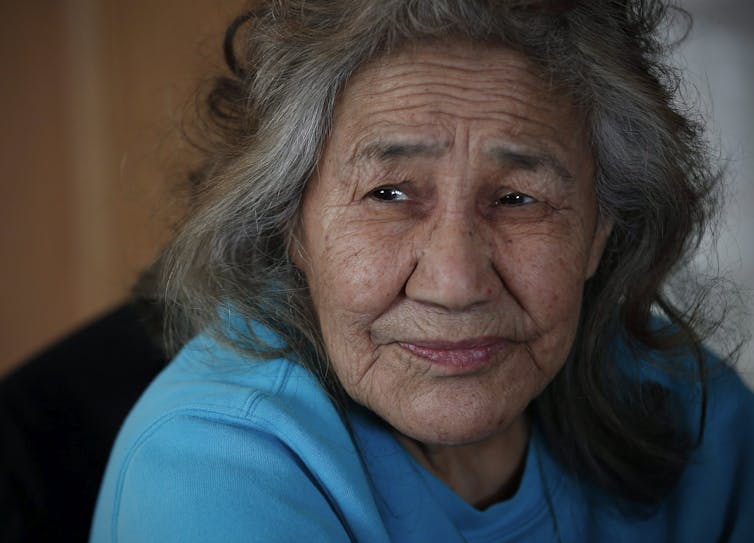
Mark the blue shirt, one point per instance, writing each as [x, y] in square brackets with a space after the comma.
[223, 448]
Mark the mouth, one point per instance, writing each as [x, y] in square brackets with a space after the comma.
[457, 357]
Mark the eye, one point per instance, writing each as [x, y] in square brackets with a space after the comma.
[514, 199]
[388, 194]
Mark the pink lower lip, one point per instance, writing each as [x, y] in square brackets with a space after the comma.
[467, 355]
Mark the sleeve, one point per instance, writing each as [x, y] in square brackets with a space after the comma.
[192, 478]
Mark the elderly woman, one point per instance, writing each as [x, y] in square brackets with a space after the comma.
[425, 276]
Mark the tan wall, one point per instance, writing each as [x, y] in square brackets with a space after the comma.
[91, 93]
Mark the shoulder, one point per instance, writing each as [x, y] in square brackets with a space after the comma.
[728, 436]
[213, 449]
[715, 402]
[708, 390]
[715, 495]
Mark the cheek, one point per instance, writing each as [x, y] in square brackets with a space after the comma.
[545, 276]
[359, 269]
[545, 273]
[354, 277]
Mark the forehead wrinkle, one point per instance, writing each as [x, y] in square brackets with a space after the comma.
[403, 78]
[396, 85]
[513, 73]
[524, 96]
[388, 107]
[540, 112]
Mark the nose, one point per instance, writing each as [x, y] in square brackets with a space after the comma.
[454, 265]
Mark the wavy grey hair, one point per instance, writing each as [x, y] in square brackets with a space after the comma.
[270, 116]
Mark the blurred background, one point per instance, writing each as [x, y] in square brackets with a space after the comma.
[718, 59]
[91, 99]
[92, 93]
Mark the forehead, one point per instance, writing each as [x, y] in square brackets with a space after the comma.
[433, 94]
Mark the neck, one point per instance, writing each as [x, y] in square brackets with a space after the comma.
[481, 473]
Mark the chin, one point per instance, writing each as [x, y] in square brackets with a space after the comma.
[459, 423]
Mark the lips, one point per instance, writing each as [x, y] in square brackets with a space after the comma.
[459, 356]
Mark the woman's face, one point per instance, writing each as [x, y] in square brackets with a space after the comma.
[446, 237]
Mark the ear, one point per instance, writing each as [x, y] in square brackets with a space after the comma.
[602, 232]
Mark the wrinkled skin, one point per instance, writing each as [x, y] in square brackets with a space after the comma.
[446, 237]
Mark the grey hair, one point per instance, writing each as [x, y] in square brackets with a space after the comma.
[289, 60]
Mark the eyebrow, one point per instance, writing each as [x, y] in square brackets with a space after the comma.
[386, 150]
[529, 160]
